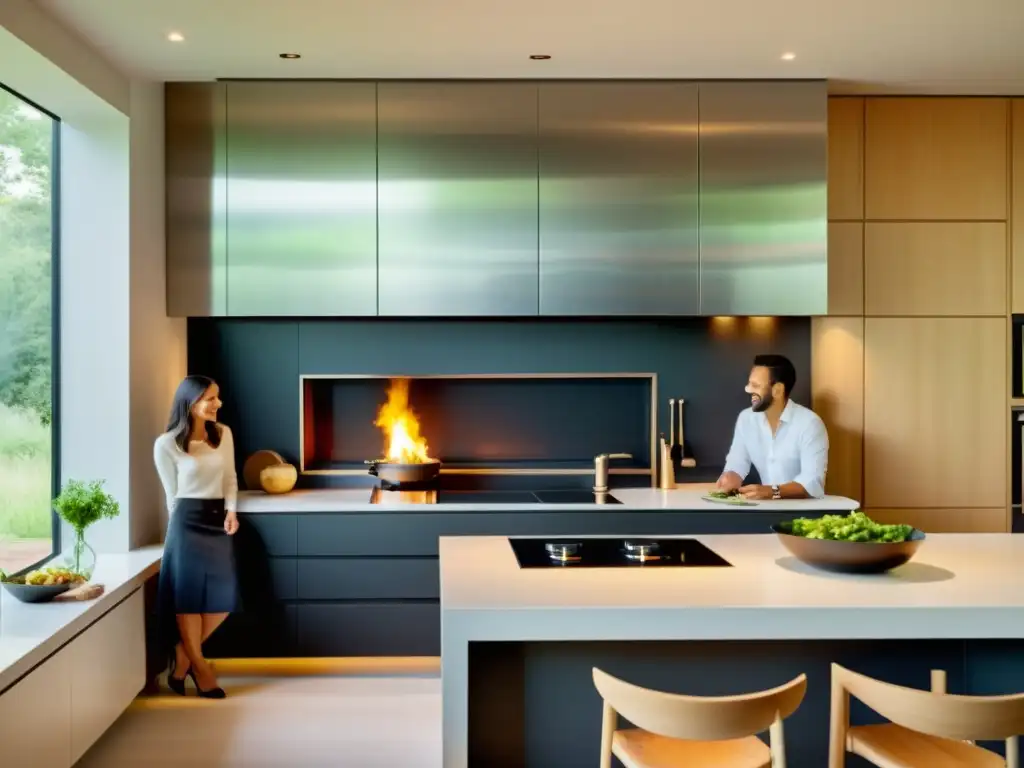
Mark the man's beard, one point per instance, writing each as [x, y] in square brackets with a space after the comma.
[764, 403]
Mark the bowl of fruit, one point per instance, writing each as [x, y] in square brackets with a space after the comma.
[851, 543]
[41, 585]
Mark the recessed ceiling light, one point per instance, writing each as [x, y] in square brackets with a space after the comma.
[289, 56]
[539, 56]
[175, 37]
[788, 56]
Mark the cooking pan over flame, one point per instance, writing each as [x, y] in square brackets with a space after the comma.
[406, 459]
[395, 472]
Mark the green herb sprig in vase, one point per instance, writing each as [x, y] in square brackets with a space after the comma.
[80, 504]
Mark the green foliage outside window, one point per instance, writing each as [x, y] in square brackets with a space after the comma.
[26, 343]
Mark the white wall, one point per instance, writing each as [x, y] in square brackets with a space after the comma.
[95, 381]
[157, 342]
[121, 357]
[54, 67]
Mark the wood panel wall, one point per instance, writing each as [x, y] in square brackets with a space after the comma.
[1017, 206]
[910, 370]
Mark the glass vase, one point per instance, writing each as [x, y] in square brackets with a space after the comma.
[82, 557]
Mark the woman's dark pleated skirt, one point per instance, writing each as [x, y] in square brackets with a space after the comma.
[197, 573]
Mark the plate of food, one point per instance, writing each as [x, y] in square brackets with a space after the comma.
[852, 543]
[728, 497]
[42, 584]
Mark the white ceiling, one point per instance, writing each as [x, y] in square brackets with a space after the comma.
[917, 46]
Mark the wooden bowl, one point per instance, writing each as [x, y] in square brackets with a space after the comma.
[278, 478]
[35, 593]
[849, 556]
[255, 464]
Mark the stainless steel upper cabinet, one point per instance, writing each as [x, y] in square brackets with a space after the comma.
[763, 198]
[457, 191]
[618, 199]
[195, 164]
[302, 198]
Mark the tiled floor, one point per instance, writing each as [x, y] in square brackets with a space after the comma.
[294, 715]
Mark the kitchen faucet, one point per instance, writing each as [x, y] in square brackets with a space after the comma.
[601, 469]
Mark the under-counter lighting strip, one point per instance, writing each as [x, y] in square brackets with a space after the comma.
[537, 471]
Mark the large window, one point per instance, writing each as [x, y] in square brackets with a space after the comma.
[28, 332]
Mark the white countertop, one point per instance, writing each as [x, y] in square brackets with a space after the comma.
[29, 633]
[957, 586]
[681, 499]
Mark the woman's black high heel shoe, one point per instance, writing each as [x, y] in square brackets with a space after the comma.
[176, 684]
[213, 693]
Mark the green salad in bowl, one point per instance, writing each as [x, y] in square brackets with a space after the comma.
[856, 526]
[852, 543]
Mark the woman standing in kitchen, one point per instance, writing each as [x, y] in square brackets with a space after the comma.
[195, 459]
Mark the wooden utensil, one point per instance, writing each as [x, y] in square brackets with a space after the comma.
[81, 592]
[686, 458]
[675, 447]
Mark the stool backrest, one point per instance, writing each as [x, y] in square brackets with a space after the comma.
[700, 718]
[973, 718]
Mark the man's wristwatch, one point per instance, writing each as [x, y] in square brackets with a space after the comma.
[776, 493]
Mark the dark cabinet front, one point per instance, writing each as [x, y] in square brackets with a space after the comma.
[368, 584]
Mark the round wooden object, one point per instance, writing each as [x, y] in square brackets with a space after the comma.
[256, 464]
[279, 478]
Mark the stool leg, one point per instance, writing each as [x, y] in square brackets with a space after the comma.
[607, 731]
[838, 724]
[777, 744]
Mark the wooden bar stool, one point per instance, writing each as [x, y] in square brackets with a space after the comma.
[926, 729]
[694, 731]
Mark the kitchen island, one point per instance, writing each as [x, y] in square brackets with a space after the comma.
[518, 644]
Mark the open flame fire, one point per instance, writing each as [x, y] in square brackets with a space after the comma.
[403, 443]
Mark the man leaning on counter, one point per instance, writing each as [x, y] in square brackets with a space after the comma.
[786, 442]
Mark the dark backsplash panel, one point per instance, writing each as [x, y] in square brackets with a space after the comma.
[518, 422]
[258, 364]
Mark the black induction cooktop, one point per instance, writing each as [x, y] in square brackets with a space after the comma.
[624, 552]
[407, 495]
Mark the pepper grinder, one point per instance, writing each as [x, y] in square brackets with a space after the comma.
[667, 479]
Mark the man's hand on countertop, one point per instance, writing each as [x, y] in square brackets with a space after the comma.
[759, 492]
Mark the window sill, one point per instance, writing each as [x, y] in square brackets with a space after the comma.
[29, 634]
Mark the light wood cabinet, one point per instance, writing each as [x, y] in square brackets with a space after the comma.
[108, 670]
[988, 520]
[837, 396]
[35, 717]
[935, 412]
[846, 268]
[935, 158]
[82, 690]
[1017, 228]
[845, 158]
[935, 268]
